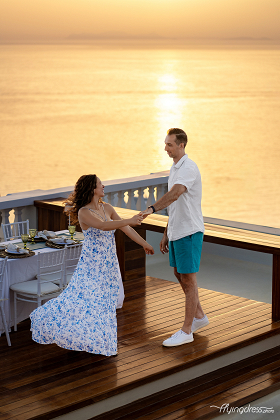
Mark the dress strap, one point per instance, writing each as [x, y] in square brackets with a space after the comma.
[94, 211]
[104, 212]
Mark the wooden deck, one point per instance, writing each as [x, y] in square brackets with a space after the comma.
[43, 382]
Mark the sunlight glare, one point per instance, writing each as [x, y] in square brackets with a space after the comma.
[169, 115]
[168, 83]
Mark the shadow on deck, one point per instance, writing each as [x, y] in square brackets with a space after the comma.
[44, 382]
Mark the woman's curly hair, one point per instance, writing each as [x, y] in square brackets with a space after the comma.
[80, 197]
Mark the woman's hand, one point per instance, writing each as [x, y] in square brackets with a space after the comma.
[136, 220]
[149, 249]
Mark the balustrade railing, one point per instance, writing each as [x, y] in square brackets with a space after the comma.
[133, 193]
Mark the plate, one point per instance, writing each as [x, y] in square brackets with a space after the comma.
[50, 232]
[60, 243]
[14, 252]
[2, 248]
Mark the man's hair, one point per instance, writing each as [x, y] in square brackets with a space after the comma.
[181, 136]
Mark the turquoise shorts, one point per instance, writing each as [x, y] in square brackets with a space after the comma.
[185, 253]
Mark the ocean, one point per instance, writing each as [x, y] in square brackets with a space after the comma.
[68, 110]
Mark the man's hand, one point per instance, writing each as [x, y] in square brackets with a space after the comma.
[147, 212]
[163, 246]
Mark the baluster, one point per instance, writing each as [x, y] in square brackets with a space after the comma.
[140, 204]
[160, 192]
[145, 196]
[151, 199]
[165, 190]
[18, 212]
[1, 230]
[130, 199]
[5, 218]
[121, 202]
[114, 196]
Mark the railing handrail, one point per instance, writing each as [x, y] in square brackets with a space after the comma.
[27, 198]
[242, 225]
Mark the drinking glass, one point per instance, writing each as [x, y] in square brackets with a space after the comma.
[32, 233]
[24, 238]
[72, 230]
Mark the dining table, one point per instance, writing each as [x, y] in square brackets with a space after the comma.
[23, 269]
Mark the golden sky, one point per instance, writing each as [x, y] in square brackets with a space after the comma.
[57, 19]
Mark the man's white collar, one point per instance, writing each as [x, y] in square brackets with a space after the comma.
[179, 163]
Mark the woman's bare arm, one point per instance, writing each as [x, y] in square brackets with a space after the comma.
[89, 219]
[132, 234]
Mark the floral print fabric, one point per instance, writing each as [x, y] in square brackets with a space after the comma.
[83, 316]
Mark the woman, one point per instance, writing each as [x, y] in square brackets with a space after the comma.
[83, 316]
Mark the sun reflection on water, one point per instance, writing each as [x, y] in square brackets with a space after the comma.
[169, 107]
[168, 82]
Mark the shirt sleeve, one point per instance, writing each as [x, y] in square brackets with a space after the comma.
[186, 177]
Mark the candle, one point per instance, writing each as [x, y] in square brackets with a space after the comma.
[69, 220]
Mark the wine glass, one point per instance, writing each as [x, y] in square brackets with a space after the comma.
[24, 238]
[32, 233]
[72, 230]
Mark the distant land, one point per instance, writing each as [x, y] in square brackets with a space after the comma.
[247, 38]
[123, 35]
[114, 35]
[150, 40]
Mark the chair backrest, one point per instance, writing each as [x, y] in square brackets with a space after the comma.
[72, 257]
[14, 230]
[51, 267]
[3, 263]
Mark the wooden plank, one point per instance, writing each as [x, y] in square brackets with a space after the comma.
[195, 391]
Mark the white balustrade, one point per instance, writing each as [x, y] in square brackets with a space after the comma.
[132, 193]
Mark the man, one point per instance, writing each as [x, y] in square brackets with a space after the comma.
[183, 234]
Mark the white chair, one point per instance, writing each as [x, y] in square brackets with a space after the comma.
[3, 263]
[14, 230]
[50, 269]
[72, 256]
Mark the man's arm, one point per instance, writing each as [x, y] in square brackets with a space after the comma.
[166, 199]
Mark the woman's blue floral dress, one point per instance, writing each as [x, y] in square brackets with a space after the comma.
[83, 316]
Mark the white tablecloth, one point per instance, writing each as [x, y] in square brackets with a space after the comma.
[19, 270]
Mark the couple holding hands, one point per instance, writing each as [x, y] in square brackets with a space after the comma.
[83, 316]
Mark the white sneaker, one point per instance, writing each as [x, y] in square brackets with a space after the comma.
[199, 323]
[177, 339]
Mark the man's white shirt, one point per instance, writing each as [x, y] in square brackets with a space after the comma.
[185, 215]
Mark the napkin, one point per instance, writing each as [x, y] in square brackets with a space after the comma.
[14, 247]
[46, 234]
[62, 239]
